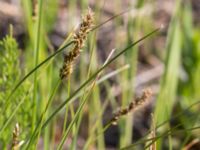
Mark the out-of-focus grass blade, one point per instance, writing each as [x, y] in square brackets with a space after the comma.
[169, 83]
[37, 129]
[168, 89]
[189, 87]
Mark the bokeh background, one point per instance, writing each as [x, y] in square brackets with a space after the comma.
[168, 63]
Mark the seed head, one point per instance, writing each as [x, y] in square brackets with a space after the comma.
[132, 106]
[79, 40]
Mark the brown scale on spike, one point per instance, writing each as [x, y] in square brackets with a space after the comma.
[79, 40]
[132, 106]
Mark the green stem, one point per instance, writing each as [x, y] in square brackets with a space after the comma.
[66, 111]
[36, 56]
[38, 128]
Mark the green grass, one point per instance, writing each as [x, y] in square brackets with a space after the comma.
[52, 111]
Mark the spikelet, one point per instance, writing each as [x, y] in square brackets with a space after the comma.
[16, 143]
[79, 40]
[132, 106]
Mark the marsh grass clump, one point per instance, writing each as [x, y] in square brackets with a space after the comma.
[79, 40]
[139, 101]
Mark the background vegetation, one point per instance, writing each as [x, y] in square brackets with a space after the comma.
[125, 53]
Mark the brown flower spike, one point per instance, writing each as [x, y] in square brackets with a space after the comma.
[132, 106]
[79, 40]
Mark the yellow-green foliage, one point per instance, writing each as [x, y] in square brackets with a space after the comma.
[10, 73]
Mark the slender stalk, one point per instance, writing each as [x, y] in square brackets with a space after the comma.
[37, 129]
[47, 133]
[36, 56]
[79, 113]
[67, 107]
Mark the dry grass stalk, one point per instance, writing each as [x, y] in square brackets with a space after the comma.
[153, 134]
[132, 106]
[79, 40]
[15, 141]
[35, 9]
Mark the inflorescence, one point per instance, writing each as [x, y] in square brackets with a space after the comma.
[79, 39]
[132, 106]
